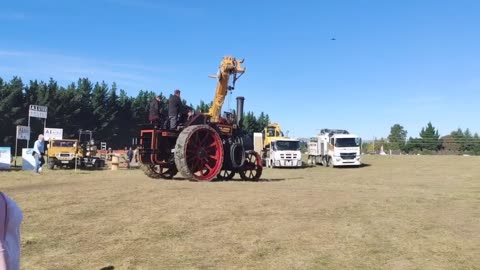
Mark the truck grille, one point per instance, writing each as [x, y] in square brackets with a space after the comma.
[65, 155]
[348, 155]
[290, 156]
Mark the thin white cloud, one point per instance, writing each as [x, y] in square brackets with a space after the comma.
[64, 68]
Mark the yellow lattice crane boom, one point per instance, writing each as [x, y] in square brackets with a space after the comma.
[228, 67]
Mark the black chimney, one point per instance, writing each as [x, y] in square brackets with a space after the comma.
[239, 115]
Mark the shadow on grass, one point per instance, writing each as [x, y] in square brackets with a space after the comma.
[275, 179]
[363, 165]
[12, 168]
[292, 168]
[216, 180]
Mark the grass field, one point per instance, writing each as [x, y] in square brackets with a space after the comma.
[399, 212]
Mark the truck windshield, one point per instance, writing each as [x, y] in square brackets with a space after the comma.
[273, 132]
[286, 145]
[63, 144]
[347, 142]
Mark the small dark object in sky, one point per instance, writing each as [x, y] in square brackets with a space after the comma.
[333, 39]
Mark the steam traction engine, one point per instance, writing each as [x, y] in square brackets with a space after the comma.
[206, 145]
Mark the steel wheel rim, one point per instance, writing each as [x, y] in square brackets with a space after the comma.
[204, 154]
[164, 171]
[225, 174]
[252, 166]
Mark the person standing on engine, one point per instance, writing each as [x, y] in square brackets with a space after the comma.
[154, 111]
[175, 107]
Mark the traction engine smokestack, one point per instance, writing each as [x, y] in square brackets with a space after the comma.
[239, 115]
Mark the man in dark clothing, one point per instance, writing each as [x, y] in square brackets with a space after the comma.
[155, 108]
[175, 107]
[129, 156]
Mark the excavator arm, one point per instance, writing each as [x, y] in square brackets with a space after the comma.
[228, 67]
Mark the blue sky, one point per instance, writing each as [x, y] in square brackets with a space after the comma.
[406, 62]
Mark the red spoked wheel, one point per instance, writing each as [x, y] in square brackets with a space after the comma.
[199, 153]
[159, 171]
[252, 167]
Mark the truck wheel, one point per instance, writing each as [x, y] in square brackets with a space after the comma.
[51, 164]
[330, 163]
[97, 165]
[324, 162]
[312, 160]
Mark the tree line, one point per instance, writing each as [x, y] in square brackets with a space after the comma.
[429, 142]
[112, 115]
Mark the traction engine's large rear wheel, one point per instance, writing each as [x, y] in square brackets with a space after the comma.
[159, 171]
[252, 167]
[199, 153]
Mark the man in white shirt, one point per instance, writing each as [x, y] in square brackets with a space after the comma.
[38, 152]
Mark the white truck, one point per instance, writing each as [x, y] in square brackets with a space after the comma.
[284, 153]
[279, 152]
[335, 147]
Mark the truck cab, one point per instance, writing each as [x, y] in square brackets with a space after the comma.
[284, 153]
[61, 153]
[344, 150]
[276, 149]
[335, 148]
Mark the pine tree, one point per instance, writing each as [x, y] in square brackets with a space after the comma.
[100, 110]
[249, 123]
[397, 137]
[11, 109]
[468, 143]
[84, 119]
[430, 138]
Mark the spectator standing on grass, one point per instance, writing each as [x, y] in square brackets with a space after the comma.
[135, 153]
[38, 153]
[109, 154]
[10, 219]
[129, 156]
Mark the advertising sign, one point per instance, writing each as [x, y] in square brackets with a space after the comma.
[37, 111]
[53, 133]
[5, 158]
[28, 161]
[23, 133]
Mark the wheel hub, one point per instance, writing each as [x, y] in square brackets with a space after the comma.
[202, 154]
